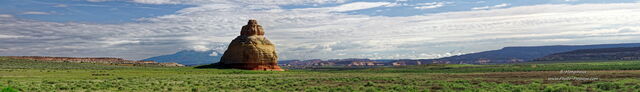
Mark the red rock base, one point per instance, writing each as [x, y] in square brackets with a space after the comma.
[253, 66]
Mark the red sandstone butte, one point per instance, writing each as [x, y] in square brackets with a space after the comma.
[251, 50]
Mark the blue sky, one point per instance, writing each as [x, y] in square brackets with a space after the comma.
[310, 29]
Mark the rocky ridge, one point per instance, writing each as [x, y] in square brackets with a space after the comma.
[101, 60]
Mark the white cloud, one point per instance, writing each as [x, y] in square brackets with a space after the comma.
[119, 42]
[429, 5]
[60, 5]
[501, 5]
[35, 13]
[157, 1]
[2, 36]
[200, 48]
[491, 7]
[98, 0]
[304, 34]
[396, 4]
[347, 7]
[6, 16]
[214, 54]
[244, 2]
[554, 40]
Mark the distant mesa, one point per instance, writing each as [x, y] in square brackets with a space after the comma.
[622, 53]
[520, 54]
[188, 57]
[249, 51]
[99, 60]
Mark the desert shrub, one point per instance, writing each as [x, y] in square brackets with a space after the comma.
[561, 88]
[372, 89]
[8, 89]
[608, 85]
[369, 84]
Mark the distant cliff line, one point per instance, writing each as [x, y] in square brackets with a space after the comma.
[99, 60]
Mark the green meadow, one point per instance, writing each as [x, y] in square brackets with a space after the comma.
[614, 76]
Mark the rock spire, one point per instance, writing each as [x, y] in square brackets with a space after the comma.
[251, 50]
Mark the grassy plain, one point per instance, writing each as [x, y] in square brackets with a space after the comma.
[33, 76]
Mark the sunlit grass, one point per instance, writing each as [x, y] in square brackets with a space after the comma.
[30, 76]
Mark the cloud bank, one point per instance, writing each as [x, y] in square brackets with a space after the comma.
[325, 32]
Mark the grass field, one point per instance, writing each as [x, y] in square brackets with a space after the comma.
[614, 76]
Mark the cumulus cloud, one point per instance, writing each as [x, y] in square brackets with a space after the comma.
[303, 34]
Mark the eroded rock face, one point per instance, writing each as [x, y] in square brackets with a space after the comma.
[251, 50]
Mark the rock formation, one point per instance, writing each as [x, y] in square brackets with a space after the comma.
[251, 50]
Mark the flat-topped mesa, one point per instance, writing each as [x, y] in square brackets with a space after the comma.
[100, 60]
[251, 51]
[252, 28]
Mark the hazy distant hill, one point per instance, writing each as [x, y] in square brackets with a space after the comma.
[623, 53]
[504, 55]
[188, 57]
[521, 54]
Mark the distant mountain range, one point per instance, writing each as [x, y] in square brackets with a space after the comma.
[501, 56]
[622, 53]
[523, 54]
[189, 57]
